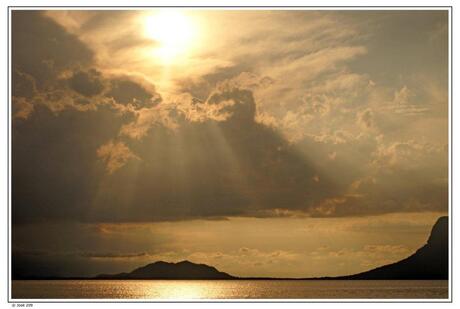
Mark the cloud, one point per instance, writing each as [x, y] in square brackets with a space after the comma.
[21, 108]
[365, 119]
[37, 75]
[54, 48]
[115, 155]
[127, 91]
[61, 72]
[408, 155]
[368, 256]
[281, 125]
[245, 167]
[220, 106]
[86, 83]
[402, 103]
[148, 118]
[56, 171]
[23, 84]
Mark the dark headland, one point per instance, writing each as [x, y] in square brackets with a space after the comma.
[430, 262]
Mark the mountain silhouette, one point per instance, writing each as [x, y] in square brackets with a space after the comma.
[165, 270]
[430, 262]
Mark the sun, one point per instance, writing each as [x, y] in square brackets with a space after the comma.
[174, 33]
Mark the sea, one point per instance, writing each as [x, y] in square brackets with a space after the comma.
[229, 289]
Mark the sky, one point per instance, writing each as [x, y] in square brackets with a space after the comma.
[293, 143]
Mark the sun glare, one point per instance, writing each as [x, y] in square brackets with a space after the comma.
[173, 31]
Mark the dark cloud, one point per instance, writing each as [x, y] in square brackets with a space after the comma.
[81, 170]
[203, 87]
[86, 83]
[244, 168]
[23, 84]
[55, 171]
[365, 119]
[37, 75]
[126, 91]
[42, 48]
[243, 109]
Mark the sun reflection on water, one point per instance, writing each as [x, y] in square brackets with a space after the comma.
[173, 290]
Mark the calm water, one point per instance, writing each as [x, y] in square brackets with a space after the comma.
[228, 289]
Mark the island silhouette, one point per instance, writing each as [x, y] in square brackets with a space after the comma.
[165, 270]
[430, 262]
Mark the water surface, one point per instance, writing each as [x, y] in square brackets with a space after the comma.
[228, 289]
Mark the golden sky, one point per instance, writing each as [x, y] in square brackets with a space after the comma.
[265, 143]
